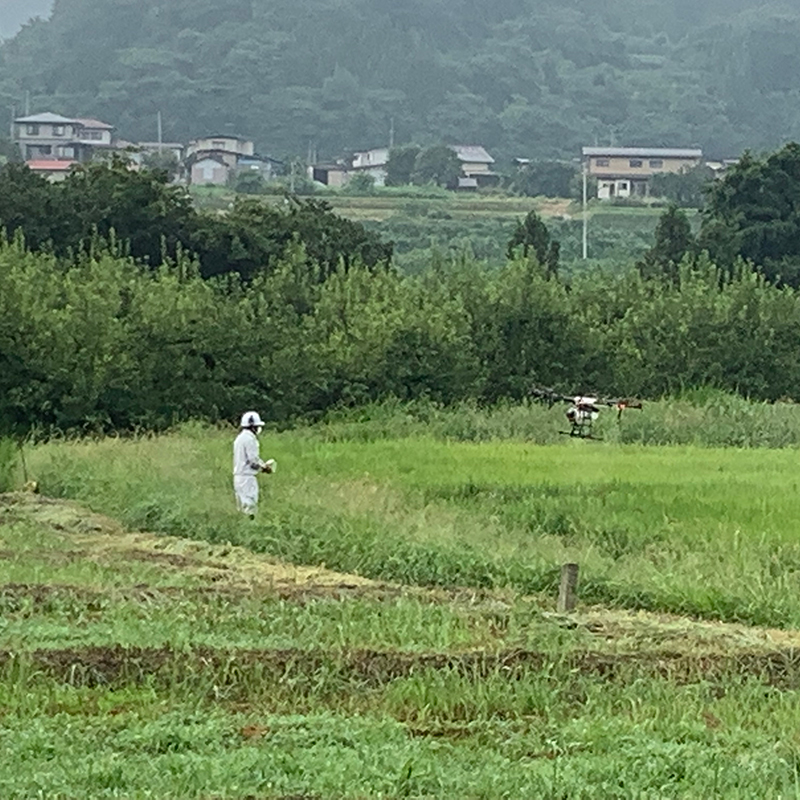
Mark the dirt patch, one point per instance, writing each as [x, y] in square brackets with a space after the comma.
[368, 669]
[103, 540]
[30, 598]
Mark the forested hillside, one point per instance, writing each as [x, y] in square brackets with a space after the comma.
[524, 77]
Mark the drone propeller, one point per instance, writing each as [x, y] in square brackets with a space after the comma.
[551, 397]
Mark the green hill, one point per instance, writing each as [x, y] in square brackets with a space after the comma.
[523, 77]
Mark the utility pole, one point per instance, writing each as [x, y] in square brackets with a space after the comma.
[13, 117]
[391, 133]
[160, 133]
[27, 102]
[585, 212]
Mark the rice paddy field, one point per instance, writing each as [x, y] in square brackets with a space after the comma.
[387, 626]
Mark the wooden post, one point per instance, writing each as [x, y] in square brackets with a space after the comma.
[566, 592]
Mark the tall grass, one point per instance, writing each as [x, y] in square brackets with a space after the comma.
[691, 530]
[9, 460]
[703, 417]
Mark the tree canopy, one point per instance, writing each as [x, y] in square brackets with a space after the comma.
[154, 222]
[754, 214]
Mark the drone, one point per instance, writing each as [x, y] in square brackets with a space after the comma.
[583, 410]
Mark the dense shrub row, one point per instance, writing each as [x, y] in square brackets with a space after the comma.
[102, 343]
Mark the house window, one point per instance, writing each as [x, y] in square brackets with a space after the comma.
[656, 163]
[93, 135]
[58, 130]
[32, 130]
[635, 162]
[601, 162]
[623, 186]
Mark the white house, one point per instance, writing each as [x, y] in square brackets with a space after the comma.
[372, 162]
[210, 170]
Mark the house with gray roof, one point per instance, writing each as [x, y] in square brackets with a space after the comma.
[627, 171]
[476, 166]
[53, 137]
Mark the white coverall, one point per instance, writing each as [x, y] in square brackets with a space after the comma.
[246, 465]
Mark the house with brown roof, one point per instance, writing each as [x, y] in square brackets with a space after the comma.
[54, 170]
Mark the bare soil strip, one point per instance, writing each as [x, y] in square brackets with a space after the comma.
[117, 665]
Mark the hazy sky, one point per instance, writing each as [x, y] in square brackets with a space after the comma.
[14, 13]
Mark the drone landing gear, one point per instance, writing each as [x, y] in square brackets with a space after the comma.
[581, 433]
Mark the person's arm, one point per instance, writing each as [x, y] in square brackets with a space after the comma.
[252, 457]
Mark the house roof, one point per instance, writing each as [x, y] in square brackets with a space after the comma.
[221, 136]
[94, 123]
[50, 165]
[256, 158]
[47, 118]
[644, 152]
[157, 145]
[474, 154]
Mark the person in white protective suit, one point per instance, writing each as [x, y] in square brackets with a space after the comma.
[247, 463]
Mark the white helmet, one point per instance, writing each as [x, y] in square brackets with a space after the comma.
[250, 419]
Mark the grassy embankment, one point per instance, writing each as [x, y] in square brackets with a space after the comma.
[452, 225]
[190, 665]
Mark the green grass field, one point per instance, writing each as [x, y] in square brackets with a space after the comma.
[422, 222]
[386, 627]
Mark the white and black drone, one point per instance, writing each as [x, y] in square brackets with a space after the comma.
[583, 410]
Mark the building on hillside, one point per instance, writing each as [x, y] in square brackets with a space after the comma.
[235, 152]
[626, 171]
[55, 170]
[476, 167]
[95, 133]
[720, 167]
[49, 136]
[372, 162]
[146, 148]
[334, 175]
[210, 170]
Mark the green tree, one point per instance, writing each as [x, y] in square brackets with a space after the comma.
[753, 213]
[531, 234]
[150, 216]
[400, 165]
[686, 189]
[544, 178]
[673, 241]
[249, 182]
[165, 161]
[361, 183]
[29, 204]
[438, 164]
